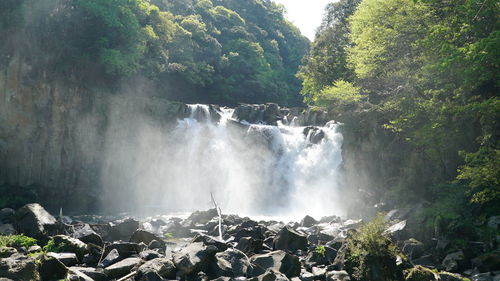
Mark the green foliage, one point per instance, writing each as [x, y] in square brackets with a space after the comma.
[320, 250]
[168, 235]
[340, 93]
[17, 241]
[52, 246]
[370, 253]
[482, 172]
[194, 51]
[420, 273]
[425, 74]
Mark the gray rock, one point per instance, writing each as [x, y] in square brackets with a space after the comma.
[250, 246]
[34, 249]
[149, 255]
[125, 249]
[75, 275]
[87, 235]
[68, 259]
[482, 277]
[397, 230]
[413, 248]
[308, 221]
[209, 240]
[6, 252]
[231, 262]
[193, 258]
[7, 229]
[452, 261]
[96, 274]
[494, 222]
[7, 215]
[145, 237]
[278, 261]
[112, 257]
[18, 267]
[156, 269]
[290, 240]
[270, 275]
[125, 228]
[34, 221]
[72, 245]
[122, 268]
[446, 276]
[337, 276]
[52, 269]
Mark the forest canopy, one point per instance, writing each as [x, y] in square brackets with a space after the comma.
[426, 72]
[220, 51]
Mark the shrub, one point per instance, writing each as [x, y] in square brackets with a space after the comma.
[17, 241]
[370, 254]
[52, 246]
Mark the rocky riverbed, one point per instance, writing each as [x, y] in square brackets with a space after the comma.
[86, 248]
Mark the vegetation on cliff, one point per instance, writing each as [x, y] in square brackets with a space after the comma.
[419, 81]
[195, 51]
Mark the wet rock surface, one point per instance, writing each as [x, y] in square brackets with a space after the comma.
[145, 249]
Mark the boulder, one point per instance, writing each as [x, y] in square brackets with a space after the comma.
[96, 274]
[201, 217]
[156, 269]
[250, 246]
[149, 255]
[232, 260]
[209, 240]
[308, 221]
[68, 259]
[34, 221]
[488, 262]
[72, 245]
[337, 276]
[446, 276]
[52, 269]
[270, 275]
[6, 252]
[321, 256]
[420, 273]
[290, 240]
[453, 261]
[122, 268]
[7, 229]
[18, 267]
[125, 249]
[87, 235]
[278, 260]
[413, 248]
[7, 215]
[124, 228]
[75, 275]
[397, 230]
[145, 237]
[193, 258]
[112, 257]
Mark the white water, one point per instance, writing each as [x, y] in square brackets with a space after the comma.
[253, 170]
[267, 170]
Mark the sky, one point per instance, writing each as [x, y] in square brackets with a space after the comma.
[305, 14]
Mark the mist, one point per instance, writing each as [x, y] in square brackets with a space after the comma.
[251, 169]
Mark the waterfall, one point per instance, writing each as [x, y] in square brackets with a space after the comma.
[254, 170]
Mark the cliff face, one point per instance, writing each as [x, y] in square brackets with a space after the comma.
[53, 134]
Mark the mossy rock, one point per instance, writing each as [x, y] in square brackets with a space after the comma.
[420, 273]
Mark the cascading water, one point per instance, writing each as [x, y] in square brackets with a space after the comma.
[251, 169]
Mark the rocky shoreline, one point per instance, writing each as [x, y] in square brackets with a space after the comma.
[159, 248]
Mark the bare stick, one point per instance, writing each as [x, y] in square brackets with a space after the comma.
[218, 213]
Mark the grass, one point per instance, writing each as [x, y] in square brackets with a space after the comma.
[17, 241]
